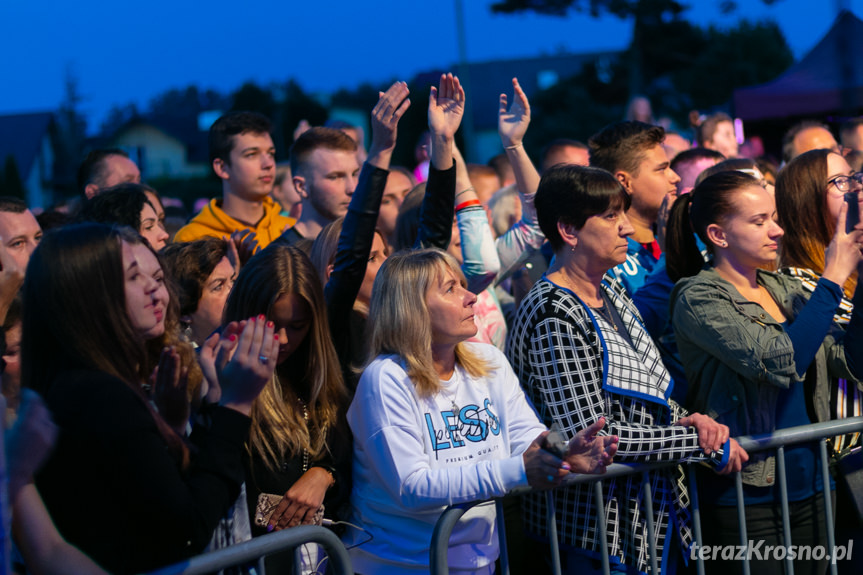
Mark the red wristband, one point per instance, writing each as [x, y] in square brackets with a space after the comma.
[467, 204]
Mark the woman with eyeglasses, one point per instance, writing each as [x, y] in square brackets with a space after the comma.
[810, 191]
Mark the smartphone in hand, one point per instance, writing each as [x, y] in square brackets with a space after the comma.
[853, 217]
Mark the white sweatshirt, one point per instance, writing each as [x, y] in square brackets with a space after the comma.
[415, 456]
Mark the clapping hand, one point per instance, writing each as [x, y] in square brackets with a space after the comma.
[241, 364]
[170, 384]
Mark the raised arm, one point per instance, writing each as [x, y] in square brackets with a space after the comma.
[358, 230]
[480, 262]
[446, 108]
[512, 126]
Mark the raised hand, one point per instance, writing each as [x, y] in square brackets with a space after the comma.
[170, 383]
[253, 357]
[386, 114]
[512, 124]
[589, 452]
[843, 254]
[446, 107]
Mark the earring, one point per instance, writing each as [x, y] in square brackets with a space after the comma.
[724, 244]
[187, 332]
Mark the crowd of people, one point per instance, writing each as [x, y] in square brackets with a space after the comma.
[337, 341]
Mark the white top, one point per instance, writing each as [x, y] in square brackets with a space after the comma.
[415, 456]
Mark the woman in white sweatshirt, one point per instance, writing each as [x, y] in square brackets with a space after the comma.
[438, 421]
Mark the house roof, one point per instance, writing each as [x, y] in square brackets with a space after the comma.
[21, 136]
[814, 85]
[184, 129]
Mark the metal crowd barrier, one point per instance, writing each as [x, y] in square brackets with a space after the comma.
[339, 563]
[777, 440]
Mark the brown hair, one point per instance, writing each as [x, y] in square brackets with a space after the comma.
[278, 424]
[801, 206]
[623, 146]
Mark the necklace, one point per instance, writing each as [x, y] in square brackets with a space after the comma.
[306, 418]
[451, 397]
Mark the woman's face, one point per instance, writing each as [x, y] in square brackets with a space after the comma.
[836, 166]
[208, 317]
[146, 294]
[151, 229]
[751, 232]
[602, 239]
[450, 307]
[377, 257]
[293, 319]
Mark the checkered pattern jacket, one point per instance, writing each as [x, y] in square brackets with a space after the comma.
[576, 368]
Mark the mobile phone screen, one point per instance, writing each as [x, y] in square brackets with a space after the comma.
[853, 217]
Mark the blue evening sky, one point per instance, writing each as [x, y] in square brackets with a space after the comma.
[125, 52]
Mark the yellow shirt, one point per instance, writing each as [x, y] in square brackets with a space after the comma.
[212, 221]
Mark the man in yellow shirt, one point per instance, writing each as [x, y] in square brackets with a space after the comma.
[243, 156]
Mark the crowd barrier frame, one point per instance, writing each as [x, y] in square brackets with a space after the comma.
[777, 440]
[245, 553]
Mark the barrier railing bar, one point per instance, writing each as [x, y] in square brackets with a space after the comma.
[783, 498]
[752, 444]
[250, 551]
[603, 529]
[443, 529]
[828, 503]
[500, 520]
[741, 518]
[651, 533]
[551, 524]
[696, 521]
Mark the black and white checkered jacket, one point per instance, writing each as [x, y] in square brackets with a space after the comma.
[576, 368]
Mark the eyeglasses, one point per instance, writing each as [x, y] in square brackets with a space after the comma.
[843, 183]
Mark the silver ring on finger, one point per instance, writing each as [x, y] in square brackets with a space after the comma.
[263, 358]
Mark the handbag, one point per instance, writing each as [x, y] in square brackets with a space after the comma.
[267, 503]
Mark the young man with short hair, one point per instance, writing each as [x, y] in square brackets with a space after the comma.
[243, 157]
[325, 171]
[633, 153]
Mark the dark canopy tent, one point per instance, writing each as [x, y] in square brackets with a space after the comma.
[827, 81]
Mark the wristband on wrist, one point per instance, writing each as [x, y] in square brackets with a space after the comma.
[513, 147]
[467, 204]
[466, 190]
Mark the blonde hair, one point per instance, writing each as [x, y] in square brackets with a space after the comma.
[399, 318]
[279, 427]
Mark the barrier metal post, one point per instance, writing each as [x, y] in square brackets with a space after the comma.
[251, 550]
